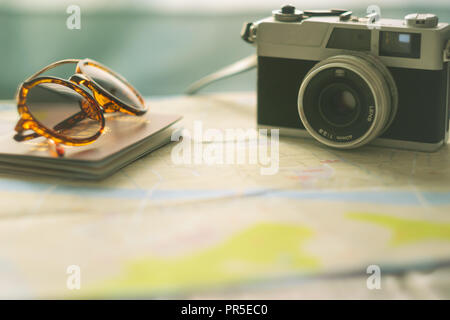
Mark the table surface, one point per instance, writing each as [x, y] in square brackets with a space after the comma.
[161, 228]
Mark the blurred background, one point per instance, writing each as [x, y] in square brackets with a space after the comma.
[160, 46]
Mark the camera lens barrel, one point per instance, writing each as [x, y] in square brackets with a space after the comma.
[346, 101]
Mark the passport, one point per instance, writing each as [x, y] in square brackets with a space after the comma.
[125, 139]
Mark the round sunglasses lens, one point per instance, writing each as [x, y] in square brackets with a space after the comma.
[63, 111]
[113, 85]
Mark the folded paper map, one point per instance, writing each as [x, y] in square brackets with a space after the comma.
[159, 229]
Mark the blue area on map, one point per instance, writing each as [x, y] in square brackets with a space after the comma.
[405, 197]
[6, 106]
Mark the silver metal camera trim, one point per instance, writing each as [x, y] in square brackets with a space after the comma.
[319, 137]
[446, 54]
[446, 57]
[307, 40]
[379, 142]
[381, 121]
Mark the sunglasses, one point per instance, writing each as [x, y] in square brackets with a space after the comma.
[71, 112]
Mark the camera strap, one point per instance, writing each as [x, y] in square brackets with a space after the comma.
[238, 67]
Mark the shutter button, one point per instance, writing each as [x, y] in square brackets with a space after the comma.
[288, 13]
[421, 20]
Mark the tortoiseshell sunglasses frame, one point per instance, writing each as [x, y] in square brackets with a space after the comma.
[102, 101]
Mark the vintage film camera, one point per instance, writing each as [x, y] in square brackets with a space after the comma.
[348, 81]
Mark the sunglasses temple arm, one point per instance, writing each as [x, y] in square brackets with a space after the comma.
[55, 149]
[51, 66]
[85, 112]
[71, 121]
[19, 136]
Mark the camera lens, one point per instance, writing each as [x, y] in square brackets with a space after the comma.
[348, 100]
[339, 104]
